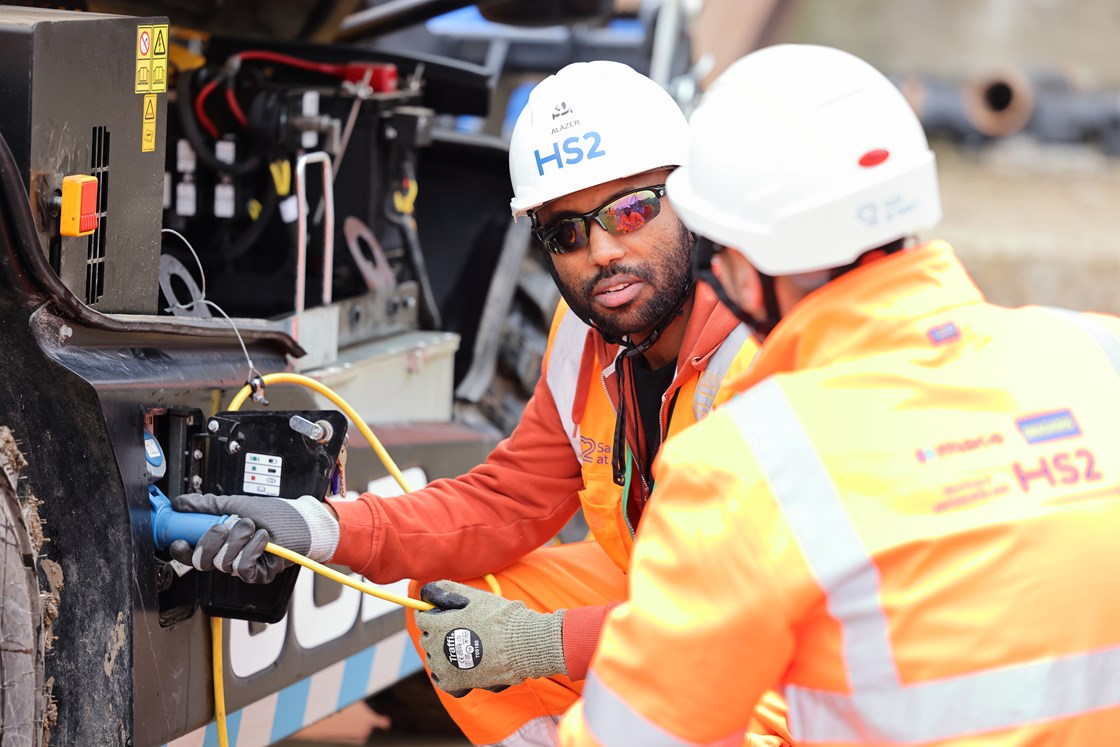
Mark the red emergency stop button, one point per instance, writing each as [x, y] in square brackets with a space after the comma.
[78, 216]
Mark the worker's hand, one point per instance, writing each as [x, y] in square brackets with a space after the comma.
[476, 639]
[237, 545]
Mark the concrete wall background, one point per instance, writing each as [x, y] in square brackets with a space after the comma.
[956, 38]
[1035, 223]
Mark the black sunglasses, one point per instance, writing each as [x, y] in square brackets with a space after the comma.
[623, 214]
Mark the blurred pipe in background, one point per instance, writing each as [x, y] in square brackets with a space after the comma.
[1066, 114]
[985, 106]
[1044, 105]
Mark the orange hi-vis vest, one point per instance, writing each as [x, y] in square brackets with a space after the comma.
[909, 521]
[579, 370]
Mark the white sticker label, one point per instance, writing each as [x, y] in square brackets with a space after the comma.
[262, 474]
[226, 151]
[307, 138]
[185, 159]
[186, 199]
[224, 203]
[152, 448]
[289, 209]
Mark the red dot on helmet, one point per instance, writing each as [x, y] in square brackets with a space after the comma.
[874, 157]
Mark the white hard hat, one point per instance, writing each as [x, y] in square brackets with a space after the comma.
[591, 123]
[803, 158]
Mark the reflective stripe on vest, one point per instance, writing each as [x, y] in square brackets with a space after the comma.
[1100, 334]
[615, 724]
[567, 353]
[880, 708]
[708, 385]
[563, 372]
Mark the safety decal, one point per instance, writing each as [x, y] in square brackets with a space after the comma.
[311, 699]
[151, 78]
[143, 59]
[463, 648]
[1048, 426]
[148, 128]
[159, 59]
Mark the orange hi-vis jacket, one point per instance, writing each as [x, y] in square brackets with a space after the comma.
[908, 522]
[554, 461]
[580, 374]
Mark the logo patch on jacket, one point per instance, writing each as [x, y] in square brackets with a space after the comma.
[959, 446]
[1048, 426]
[943, 333]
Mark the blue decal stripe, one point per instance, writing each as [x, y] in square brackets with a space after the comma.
[233, 726]
[297, 705]
[410, 662]
[354, 677]
[290, 709]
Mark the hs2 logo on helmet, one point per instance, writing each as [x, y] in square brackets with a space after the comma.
[573, 149]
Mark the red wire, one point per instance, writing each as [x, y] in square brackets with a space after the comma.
[231, 98]
[200, 112]
[235, 107]
[318, 67]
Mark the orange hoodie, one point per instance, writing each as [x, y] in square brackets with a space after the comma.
[533, 481]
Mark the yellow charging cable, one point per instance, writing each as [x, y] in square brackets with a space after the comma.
[326, 391]
[283, 552]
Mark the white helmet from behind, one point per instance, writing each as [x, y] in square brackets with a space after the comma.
[591, 123]
[803, 158]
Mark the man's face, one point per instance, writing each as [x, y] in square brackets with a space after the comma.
[627, 283]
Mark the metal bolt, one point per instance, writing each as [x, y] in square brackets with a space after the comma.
[320, 431]
[212, 426]
[234, 447]
[197, 454]
[196, 482]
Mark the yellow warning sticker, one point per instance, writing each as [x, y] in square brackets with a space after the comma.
[159, 76]
[146, 79]
[148, 130]
[143, 42]
[143, 76]
[159, 42]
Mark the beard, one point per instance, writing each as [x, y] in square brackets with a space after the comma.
[669, 277]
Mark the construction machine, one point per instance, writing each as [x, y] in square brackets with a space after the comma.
[197, 196]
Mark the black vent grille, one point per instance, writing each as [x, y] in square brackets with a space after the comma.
[95, 249]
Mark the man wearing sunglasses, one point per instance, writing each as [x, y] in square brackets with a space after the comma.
[636, 353]
[891, 516]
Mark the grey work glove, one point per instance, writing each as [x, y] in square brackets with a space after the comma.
[477, 639]
[236, 546]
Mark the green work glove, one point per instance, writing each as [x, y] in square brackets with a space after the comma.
[477, 639]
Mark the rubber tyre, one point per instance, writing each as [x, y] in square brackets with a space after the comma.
[22, 698]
